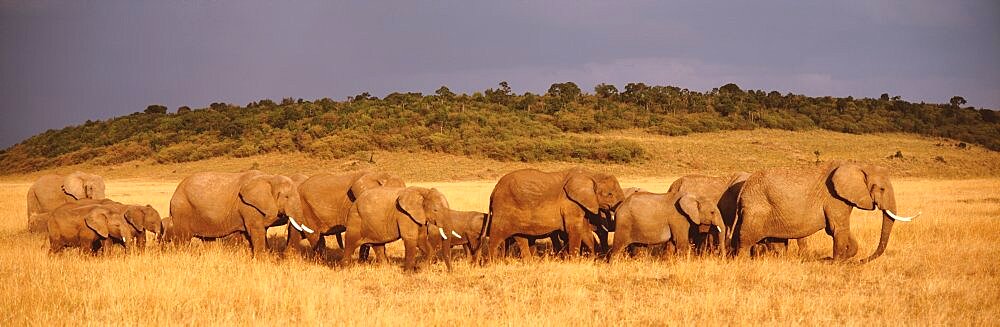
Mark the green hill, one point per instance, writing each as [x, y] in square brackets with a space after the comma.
[564, 124]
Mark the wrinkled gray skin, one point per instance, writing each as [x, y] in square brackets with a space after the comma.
[656, 218]
[533, 203]
[86, 226]
[386, 214]
[724, 190]
[326, 200]
[213, 205]
[792, 203]
[465, 224]
[51, 191]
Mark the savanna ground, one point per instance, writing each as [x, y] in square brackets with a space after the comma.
[940, 269]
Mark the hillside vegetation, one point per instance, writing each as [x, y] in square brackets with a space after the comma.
[565, 124]
[906, 155]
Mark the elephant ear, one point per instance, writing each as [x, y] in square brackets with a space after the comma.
[689, 206]
[850, 183]
[74, 186]
[412, 202]
[580, 189]
[98, 221]
[363, 184]
[257, 193]
[152, 219]
[135, 216]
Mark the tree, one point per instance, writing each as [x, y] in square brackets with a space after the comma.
[957, 101]
[156, 109]
[444, 92]
[606, 90]
[568, 91]
[501, 95]
[730, 88]
[183, 109]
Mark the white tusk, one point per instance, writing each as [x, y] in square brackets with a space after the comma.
[294, 224]
[299, 227]
[441, 230]
[900, 218]
[718, 228]
[456, 234]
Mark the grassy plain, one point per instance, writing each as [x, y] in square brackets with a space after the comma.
[940, 269]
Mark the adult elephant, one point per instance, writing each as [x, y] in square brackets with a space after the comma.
[210, 205]
[655, 218]
[532, 203]
[387, 214]
[326, 200]
[723, 190]
[51, 191]
[787, 203]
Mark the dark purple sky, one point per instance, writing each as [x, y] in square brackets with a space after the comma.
[63, 62]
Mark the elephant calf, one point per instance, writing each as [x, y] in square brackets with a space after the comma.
[86, 226]
[652, 218]
[387, 214]
[465, 229]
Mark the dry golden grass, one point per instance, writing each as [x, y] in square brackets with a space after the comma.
[940, 269]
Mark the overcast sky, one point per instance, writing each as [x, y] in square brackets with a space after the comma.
[63, 62]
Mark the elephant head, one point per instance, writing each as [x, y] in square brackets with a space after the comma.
[598, 194]
[425, 206]
[274, 196]
[369, 181]
[144, 218]
[868, 187]
[703, 213]
[81, 185]
[106, 224]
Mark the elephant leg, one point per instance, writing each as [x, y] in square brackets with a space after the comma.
[682, 243]
[410, 249]
[351, 242]
[574, 243]
[495, 245]
[363, 252]
[745, 242]
[621, 244]
[803, 246]
[340, 240]
[524, 248]
[590, 243]
[258, 241]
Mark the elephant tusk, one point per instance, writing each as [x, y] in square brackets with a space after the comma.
[299, 227]
[718, 228]
[900, 218]
[456, 234]
[441, 230]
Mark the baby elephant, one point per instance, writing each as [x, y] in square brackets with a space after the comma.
[387, 214]
[86, 226]
[466, 226]
[651, 218]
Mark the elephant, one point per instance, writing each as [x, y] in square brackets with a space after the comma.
[792, 203]
[466, 226]
[655, 218]
[724, 190]
[86, 226]
[141, 217]
[326, 200]
[532, 203]
[51, 191]
[211, 205]
[386, 214]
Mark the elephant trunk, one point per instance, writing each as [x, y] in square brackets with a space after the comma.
[887, 223]
[722, 239]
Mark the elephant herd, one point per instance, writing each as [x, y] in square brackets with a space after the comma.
[576, 209]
